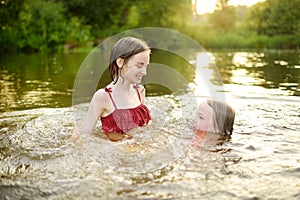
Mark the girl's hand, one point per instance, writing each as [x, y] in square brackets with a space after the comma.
[114, 137]
[75, 136]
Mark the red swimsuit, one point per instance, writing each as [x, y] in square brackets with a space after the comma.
[122, 120]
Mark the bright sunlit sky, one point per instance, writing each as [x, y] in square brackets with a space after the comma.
[205, 6]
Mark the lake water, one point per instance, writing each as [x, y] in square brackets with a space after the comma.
[260, 161]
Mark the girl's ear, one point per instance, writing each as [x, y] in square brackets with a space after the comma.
[120, 62]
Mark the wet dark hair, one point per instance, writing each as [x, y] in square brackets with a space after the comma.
[125, 48]
[223, 117]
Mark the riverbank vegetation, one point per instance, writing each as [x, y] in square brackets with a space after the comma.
[43, 25]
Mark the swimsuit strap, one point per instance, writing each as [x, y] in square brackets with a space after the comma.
[109, 91]
[137, 90]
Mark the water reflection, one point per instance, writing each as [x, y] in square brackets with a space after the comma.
[260, 160]
[37, 80]
[270, 69]
[208, 81]
[166, 68]
[43, 80]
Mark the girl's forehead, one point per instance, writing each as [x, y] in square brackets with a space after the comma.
[142, 56]
[205, 108]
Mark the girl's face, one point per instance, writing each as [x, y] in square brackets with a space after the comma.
[204, 118]
[136, 67]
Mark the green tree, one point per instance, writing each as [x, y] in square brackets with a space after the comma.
[221, 4]
[224, 16]
[9, 14]
[41, 24]
[106, 17]
[276, 17]
[166, 13]
[38, 25]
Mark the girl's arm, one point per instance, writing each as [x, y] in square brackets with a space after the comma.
[95, 110]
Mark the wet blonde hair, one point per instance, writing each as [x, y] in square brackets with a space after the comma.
[223, 116]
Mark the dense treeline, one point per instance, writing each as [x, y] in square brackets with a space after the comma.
[42, 25]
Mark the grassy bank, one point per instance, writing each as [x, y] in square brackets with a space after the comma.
[221, 39]
[213, 39]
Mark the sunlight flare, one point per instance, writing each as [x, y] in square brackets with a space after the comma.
[208, 6]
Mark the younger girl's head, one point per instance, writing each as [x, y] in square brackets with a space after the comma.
[215, 116]
[125, 48]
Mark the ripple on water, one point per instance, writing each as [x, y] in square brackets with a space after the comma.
[261, 160]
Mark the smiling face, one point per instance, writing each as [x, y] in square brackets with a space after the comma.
[204, 118]
[136, 67]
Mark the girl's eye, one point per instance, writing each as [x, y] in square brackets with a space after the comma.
[141, 66]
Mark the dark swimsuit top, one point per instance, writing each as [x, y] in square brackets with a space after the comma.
[122, 120]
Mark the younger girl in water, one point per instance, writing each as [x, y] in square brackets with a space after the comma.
[215, 117]
[120, 105]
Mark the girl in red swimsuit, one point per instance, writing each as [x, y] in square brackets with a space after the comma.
[120, 105]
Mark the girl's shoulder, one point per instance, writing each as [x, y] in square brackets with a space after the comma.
[101, 94]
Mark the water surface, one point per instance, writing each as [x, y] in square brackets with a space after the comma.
[260, 161]
[42, 80]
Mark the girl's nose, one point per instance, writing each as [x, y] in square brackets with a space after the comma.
[144, 70]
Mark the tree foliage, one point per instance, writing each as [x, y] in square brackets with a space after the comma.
[162, 13]
[46, 24]
[224, 16]
[221, 4]
[40, 25]
[9, 13]
[105, 16]
[276, 17]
